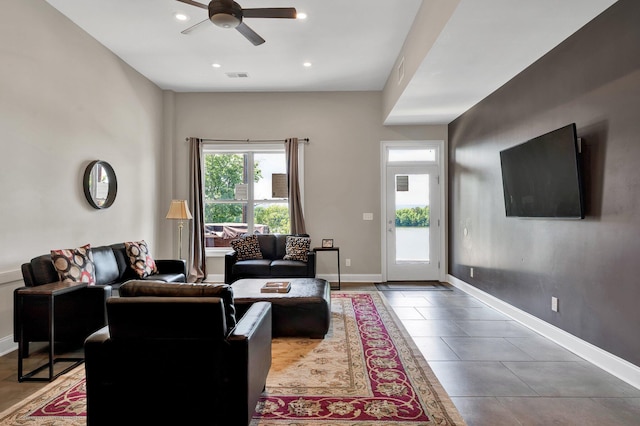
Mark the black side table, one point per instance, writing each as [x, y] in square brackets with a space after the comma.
[45, 293]
[337, 250]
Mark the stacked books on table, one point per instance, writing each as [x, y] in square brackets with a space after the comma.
[276, 287]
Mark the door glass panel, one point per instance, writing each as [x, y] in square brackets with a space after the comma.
[412, 154]
[412, 217]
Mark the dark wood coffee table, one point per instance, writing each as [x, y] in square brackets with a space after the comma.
[303, 311]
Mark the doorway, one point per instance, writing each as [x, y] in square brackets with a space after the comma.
[412, 199]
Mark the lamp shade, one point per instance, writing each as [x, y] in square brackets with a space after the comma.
[179, 210]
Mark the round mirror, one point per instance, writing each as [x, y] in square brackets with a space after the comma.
[100, 184]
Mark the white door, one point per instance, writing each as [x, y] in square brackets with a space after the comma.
[412, 223]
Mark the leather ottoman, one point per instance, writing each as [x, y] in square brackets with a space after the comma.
[305, 310]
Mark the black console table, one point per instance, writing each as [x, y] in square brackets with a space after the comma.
[337, 250]
[47, 293]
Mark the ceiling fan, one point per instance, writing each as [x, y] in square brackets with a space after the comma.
[229, 14]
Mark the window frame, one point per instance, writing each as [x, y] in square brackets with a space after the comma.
[252, 149]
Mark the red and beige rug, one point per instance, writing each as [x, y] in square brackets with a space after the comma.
[365, 372]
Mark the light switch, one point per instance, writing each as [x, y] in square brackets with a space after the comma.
[367, 216]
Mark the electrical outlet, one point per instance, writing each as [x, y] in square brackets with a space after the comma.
[347, 262]
[471, 272]
[554, 304]
[367, 216]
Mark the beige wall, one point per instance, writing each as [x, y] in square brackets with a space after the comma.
[342, 162]
[65, 100]
[427, 26]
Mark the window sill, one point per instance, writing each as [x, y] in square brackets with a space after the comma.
[217, 252]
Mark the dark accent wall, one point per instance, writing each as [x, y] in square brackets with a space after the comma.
[593, 265]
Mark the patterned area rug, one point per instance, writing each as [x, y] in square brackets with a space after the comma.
[365, 372]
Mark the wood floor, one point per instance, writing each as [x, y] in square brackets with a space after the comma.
[496, 371]
[12, 391]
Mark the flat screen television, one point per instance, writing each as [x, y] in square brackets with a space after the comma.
[541, 177]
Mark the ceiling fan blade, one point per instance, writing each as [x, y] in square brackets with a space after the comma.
[195, 3]
[193, 27]
[251, 35]
[271, 12]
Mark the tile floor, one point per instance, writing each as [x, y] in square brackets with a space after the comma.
[496, 371]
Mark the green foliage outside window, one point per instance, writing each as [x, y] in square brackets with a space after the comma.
[413, 217]
[221, 174]
[276, 216]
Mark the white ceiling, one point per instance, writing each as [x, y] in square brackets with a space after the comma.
[352, 45]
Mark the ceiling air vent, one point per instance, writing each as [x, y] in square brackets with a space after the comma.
[237, 74]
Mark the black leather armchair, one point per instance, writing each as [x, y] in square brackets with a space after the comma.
[174, 354]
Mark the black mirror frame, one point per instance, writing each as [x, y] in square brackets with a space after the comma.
[113, 184]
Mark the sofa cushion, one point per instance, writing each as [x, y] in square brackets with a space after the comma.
[297, 248]
[289, 268]
[269, 246]
[252, 268]
[106, 265]
[40, 270]
[75, 265]
[147, 318]
[166, 278]
[140, 258]
[247, 247]
[138, 288]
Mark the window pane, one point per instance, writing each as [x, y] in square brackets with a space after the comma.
[245, 190]
[223, 222]
[272, 217]
[412, 154]
[222, 172]
[269, 168]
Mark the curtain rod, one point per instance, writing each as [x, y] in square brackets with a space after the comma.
[300, 140]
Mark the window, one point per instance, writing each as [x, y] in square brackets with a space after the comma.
[411, 154]
[245, 191]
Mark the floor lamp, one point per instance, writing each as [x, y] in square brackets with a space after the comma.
[179, 210]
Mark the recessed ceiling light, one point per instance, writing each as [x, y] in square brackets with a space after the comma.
[301, 15]
[307, 64]
[181, 16]
[216, 65]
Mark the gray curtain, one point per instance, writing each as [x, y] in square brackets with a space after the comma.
[198, 264]
[296, 217]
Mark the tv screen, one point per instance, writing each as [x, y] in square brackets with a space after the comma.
[541, 177]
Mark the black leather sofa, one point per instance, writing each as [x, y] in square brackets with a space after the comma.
[80, 312]
[111, 267]
[272, 264]
[179, 355]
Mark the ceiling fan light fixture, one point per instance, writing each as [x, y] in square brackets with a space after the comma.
[225, 14]
[225, 21]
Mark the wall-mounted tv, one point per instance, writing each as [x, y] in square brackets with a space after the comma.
[541, 177]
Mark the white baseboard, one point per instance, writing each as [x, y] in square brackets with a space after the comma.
[612, 364]
[348, 278]
[352, 278]
[7, 345]
[10, 276]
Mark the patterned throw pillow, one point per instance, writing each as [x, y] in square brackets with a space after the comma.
[75, 265]
[247, 247]
[140, 258]
[297, 248]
